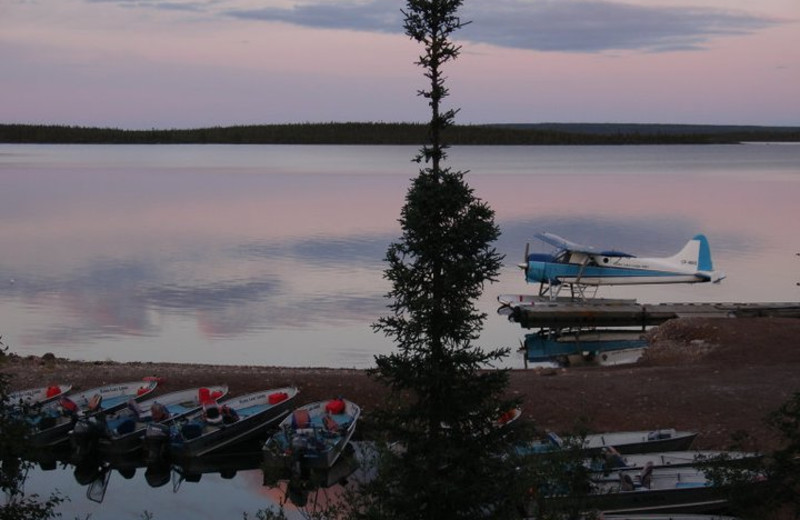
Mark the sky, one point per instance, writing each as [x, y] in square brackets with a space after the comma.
[140, 64]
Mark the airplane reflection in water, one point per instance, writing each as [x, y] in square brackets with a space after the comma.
[554, 342]
[302, 491]
[588, 346]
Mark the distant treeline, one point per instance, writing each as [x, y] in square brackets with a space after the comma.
[405, 134]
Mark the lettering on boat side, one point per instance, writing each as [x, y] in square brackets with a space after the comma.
[113, 389]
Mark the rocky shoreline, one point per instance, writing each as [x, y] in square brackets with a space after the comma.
[713, 376]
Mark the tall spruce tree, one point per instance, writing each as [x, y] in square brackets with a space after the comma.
[448, 460]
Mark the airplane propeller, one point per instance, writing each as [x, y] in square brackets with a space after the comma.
[524, 264]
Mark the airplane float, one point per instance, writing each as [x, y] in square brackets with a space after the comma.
[579, 267]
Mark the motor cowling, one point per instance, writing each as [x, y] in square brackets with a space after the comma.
[156, 442]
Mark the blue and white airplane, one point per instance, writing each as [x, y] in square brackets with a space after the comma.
[579, 267]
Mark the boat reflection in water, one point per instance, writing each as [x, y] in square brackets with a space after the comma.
[584, 346]
[95, 472]
[314, 488]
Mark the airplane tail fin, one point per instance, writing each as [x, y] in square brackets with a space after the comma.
[697, 253]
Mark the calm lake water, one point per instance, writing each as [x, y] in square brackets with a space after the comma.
[273, 255]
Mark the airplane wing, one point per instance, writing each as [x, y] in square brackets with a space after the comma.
[562, 243]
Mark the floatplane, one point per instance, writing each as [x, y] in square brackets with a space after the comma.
[584, 268]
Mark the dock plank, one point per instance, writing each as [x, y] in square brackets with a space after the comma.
[559, 313]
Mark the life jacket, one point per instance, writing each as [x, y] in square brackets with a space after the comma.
[301, 419]
[277, 397]
[203, 395]
[506, 417]
[335, 406]
[69, 407]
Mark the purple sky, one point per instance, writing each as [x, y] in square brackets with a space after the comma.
[191, 63]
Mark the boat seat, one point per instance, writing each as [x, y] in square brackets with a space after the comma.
[159, 412]
[626, 482]
[612, 459]
[330, 424]
[646, 477]
[95, 402]
[661, 434]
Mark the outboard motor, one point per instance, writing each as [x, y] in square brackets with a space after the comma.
[156, 443]
[84, 435]
[81, 439]
[87, 472]
[296, 493]
[300, 445]
[157, 475]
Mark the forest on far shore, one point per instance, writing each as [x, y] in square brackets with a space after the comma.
[406, 134]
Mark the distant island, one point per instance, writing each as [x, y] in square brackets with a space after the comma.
[407, 134]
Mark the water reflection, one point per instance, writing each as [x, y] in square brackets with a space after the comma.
[565, 347]
[111, 254]
[130, 297]
[94, 476]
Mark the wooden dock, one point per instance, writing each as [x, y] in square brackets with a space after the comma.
[545, 313]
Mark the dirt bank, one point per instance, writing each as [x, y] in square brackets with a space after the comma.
[714, 376]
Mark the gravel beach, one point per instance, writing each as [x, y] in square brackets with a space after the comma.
[713, 376]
